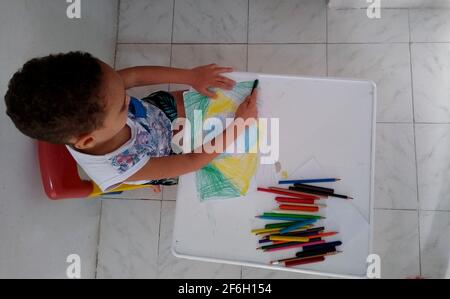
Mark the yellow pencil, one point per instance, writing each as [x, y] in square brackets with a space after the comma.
[260, 231]
[264, 230]
[288, 238]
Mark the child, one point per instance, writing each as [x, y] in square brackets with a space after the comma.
[78, 100]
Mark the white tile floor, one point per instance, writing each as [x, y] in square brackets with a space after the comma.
[406, 53]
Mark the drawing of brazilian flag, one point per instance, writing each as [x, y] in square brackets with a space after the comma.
[228, 175]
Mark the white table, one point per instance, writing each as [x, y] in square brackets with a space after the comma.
[331, 121]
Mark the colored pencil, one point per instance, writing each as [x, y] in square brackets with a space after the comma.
[304, 254]
[301, 216]
[296, 204]
[300, 193]
[279, 218]
[308, 181]
[297, 232]
[317, 188]
[319, 193]
[303, 233]
[308, 232]
[255, 84]
[293, 212]
[289, 228]
[310, 260]
[293, 245]
[259, 231]
[322, 245]
[294, 194]
[301, 258]
[300, 238]
[289, 239]
[299, 208]
[294, 200]
[280, 224]
[307, 254]
[282, 244]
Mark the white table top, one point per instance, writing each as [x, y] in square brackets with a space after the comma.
[329, 121]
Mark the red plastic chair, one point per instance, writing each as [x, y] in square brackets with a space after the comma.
[60, 177]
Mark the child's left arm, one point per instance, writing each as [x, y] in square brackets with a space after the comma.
[201, 78]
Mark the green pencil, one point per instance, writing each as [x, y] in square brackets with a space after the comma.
[294, 216]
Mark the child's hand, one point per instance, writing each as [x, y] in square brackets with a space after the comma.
[206, 76]
[247, 109]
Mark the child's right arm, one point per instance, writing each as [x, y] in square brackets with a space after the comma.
[176, 165]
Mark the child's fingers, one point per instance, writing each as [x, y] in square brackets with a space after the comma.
[208, 93]
[221, 85]
[223, 70]
[226, 80]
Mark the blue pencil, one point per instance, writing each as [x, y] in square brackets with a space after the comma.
[308, 181]
[291, 227]
[304, 221]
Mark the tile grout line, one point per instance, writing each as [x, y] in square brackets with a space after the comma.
[281, 43]
[117, 32]
[159, 237]
[248, 29]
[98, 239]
[169, 87]
[163, 189]
[415, 141]
[326, 38]
[100, 198]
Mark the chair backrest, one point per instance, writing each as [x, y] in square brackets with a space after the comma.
[59, 173]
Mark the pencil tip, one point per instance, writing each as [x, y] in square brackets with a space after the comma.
[350, 197]
[338, 179]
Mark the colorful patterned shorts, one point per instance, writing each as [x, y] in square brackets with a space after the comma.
[166, 102]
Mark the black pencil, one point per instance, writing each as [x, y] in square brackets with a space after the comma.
[255, 84]
[311, 187]
[319, 192]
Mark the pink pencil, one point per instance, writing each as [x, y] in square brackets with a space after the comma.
[295, 245]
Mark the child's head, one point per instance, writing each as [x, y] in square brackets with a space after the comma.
[70, 98]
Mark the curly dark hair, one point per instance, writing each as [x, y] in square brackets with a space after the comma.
[57, 97]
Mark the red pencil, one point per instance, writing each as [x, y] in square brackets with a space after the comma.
[294, 246]
[304, 261]
[305, 194]
[299, 208]
[294, 200]
[282, 192]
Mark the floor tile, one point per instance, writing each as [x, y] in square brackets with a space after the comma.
[169, 192]
[430, 72]
[433, 166]
[210, 21]
[396, 241]
[129, 55]
[287, 21]
[430, 25]
[353, 26]
[128, 246]
[435, 244]
[395, 167]
[189, 56]
[302, 59]
[258, 273]
[142, 193]
[145, 21]
[388, 65]
[170, 266]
